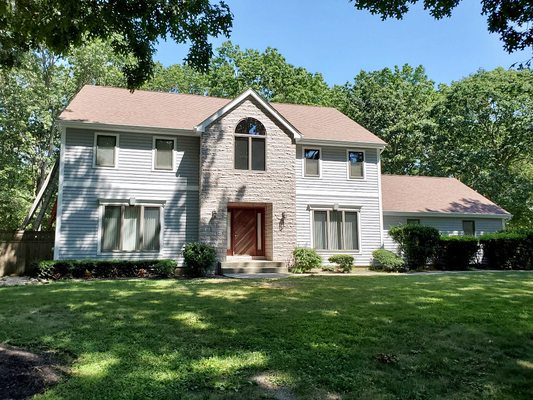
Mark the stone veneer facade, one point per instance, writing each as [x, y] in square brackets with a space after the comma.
[221, 183]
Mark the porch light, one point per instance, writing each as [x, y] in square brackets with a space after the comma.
[336, 206]
[133, 201]
[213, 214]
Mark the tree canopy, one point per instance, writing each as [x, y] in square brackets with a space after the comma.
[132, 27]
[511, 19]
[478, 129]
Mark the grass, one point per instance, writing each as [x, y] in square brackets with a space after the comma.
[457, 336]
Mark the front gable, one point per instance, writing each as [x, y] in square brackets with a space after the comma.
[251, 96]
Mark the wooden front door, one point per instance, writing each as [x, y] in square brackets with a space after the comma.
[246, 231]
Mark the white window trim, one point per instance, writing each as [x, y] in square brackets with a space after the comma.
[344, 209]
[174, 154]
[319, 176]
[362, 178]
[117, 147]
[250, 138]
[102, 203]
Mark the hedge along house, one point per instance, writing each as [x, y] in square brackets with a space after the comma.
[143, 173]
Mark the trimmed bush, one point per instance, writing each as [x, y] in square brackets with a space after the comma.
[456, 253]
[344, 262]
[507, 250]
[81, 269]
[387, 261]
[305, 260]
[417, 244]
[198, 259]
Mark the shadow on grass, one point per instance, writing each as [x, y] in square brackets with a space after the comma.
[452, 336]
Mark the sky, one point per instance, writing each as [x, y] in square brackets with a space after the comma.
[335, 39]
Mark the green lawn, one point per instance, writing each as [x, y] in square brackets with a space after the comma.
[458, 336]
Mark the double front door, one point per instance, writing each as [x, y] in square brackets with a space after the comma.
[246, 228]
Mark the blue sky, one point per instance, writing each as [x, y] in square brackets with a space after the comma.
[331, 37]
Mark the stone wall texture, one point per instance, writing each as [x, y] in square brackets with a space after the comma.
[221, 183]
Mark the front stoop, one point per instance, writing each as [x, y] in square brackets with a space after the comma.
[253, 267]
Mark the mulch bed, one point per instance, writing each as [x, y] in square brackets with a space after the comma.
[25, 374]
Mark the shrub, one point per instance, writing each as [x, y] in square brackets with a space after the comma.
[508, 250]
[305, 260]
[456, 252]
[198, 259]
[83, 269]
[417, 244]
[344, 262]
[385, 260]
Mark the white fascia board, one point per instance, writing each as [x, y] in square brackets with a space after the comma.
[340, 143]
[444, 214]
[235, 102]
[126, 128]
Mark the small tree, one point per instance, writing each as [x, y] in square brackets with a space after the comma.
[417, 244]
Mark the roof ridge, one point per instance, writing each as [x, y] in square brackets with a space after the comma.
[273, 103]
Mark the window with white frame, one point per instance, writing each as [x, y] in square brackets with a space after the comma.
[335, 229]
[164, 153]
[131, 228]
[356, 164]
[250, 145]
[105, 150]
[311, 162]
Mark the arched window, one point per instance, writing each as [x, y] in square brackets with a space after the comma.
[250, 146]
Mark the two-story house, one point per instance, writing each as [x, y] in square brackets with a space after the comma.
[143, 173]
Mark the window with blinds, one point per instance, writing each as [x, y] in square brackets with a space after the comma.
[335, 230]
[131, 228]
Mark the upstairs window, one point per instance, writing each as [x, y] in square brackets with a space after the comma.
[105, 150]
[356, 164]
[469, 228]
[250, 145]
[311, 162]
[164, 153]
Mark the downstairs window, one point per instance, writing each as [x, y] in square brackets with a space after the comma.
[335, 230]
[131, 228]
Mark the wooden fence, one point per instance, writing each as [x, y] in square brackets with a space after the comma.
[19, 250]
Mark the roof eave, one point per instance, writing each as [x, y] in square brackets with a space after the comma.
[344, 143]
[125, 128]
[446, 214]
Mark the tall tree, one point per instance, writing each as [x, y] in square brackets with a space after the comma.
[132, 27]
[484, 137]
[395, 105]
[31, 97]
[511, 19]
[234, 70]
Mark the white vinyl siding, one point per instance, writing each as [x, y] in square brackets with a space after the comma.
[80, 233]
[334, 187]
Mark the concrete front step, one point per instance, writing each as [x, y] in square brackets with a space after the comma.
[253, 267]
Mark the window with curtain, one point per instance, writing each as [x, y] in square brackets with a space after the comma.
[106, 147]
[335, 230]
[250, 145]
[356, 161]
[311, 162]
[131, 228]
[164, 153]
